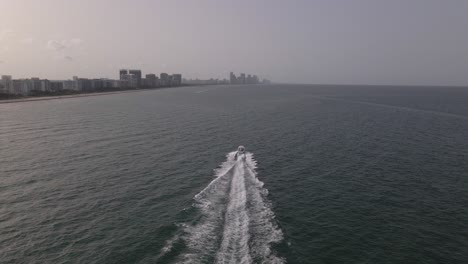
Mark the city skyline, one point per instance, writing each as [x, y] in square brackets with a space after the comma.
[128, 79]
[421, 42]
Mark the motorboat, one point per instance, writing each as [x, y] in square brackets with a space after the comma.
[240, 153]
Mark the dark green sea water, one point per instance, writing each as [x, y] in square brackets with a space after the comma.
[335, 174]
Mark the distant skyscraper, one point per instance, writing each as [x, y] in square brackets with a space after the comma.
[255, 79]
[45, 85]
[176, 79]
[241, 79]
[6, 84]
[164, 78]
[77, 85]
[35, 84]
[137, 74]
[249, 79]
[56, 86]
[129, 81]
[122, 72]
[150, 80]
[232, 78]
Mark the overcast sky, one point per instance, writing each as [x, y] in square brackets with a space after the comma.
[414, 42]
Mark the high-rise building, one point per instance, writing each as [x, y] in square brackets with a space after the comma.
[255, 79]
[232, 78]
[169, 80]
[176, 79]
[164, 79]
[35, 84]
[7, 84]
[129, 81]
[122, 72]
[249, 79]
[68, 85]
[241, 79]
[137, 74]
[56, 86]
[21, 87]
[77, 85]
[97, 84]
[45, 85]
[150, 81]
[81, 84]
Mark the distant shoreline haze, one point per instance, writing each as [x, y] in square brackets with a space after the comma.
[128, 80]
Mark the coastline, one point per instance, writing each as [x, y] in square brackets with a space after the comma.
[45, 98]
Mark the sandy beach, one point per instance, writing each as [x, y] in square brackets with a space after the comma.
[43, 98]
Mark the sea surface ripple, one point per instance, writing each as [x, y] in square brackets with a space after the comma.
[341, 174]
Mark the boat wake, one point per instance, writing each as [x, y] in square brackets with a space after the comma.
[234, 222]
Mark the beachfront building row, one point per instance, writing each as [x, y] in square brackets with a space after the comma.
[130, 80]
[36, 86]
[135, 80]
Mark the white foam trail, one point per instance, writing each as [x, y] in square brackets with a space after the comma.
[220, 174]
[202, 237]
[262, 225]
[234, 247]
[236, 223]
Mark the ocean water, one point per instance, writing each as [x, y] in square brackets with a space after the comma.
[333, 174]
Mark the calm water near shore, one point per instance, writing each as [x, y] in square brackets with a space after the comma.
[334, 174]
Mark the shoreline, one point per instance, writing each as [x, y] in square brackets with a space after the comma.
[45, 98]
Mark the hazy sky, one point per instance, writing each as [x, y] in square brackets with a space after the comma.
[303, 41]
